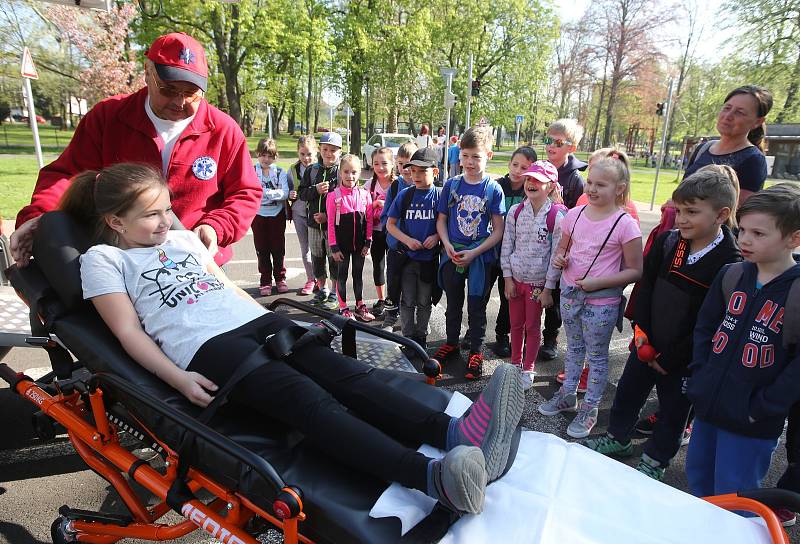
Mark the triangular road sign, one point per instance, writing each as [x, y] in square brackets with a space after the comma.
[28, 68]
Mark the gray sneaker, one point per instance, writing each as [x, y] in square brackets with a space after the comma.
[584, 422]
[561, 402]
[459, 479]
[389, 320]
[492, 419]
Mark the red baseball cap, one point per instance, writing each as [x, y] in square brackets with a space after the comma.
[179, 57]
[542, 171]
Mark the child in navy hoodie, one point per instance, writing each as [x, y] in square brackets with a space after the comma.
[744, 376]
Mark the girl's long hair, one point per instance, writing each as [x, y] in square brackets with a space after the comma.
[94, 195]
[382, 151]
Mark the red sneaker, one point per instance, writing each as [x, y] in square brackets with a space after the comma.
[474, 367]
[308, 288]
[562, 376]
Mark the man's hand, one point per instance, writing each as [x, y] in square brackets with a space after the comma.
[321, 218]
[195, 387]
[292, 195]
[322, 188]
[338, 256]
[208, 236]
[22, 241]
[364, 251]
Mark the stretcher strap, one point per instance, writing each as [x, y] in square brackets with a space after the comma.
[277, 346]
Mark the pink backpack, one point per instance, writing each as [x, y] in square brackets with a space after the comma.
[552, 213]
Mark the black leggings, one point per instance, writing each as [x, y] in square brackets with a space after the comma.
[378, 253]
[313, 391]
[358, 273]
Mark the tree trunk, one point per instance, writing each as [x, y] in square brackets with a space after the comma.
[596, 128]
[790, 103]
[309, 128]
[276, 121]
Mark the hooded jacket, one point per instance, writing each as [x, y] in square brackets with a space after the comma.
[210, 173]
[670, 294]
[314, 174]
[743, 378]
[571, 181]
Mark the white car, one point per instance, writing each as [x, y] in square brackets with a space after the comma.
[390, 140]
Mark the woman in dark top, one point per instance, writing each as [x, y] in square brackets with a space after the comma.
[741, 128]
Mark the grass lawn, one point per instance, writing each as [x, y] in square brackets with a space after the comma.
[19, 165]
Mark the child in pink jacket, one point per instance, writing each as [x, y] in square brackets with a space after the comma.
[349, 210]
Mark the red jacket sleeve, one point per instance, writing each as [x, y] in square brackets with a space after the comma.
[82, 153]
[241, 197]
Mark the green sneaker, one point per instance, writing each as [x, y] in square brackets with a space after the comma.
[607, 445]
[650, 467]
[331, 303]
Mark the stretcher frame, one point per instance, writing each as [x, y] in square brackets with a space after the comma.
[78, 405]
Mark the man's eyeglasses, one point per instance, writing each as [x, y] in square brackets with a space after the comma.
[171, 92]
[556, 142]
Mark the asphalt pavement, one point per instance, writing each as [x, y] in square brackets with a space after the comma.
[36, 478]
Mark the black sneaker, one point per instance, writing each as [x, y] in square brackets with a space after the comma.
[378, 308]
[645, 426]
[548, 350]
[389, 319]
[390, 306]
[446, 351]
[502, 347]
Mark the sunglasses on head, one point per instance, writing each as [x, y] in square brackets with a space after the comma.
[556, 142]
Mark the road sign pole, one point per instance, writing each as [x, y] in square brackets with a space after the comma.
[660, 158]
[446, 144]
[32, 118]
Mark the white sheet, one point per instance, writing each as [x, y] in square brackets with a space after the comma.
[559, 492]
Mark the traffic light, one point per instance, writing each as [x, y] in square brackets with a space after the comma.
[660, 108]
[476, 87]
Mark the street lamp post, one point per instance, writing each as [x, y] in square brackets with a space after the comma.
[449, 101]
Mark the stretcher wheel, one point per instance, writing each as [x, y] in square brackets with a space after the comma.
[59, 533]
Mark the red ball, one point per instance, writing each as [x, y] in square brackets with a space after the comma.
[646, 353]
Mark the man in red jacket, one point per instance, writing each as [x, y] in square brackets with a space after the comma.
[169, 125]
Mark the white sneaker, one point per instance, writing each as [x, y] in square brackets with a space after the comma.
[527, 379]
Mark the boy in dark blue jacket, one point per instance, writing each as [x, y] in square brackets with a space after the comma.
[744, 372]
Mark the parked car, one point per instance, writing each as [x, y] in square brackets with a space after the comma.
[391, 140]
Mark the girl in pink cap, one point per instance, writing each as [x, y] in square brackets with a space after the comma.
[532, 232]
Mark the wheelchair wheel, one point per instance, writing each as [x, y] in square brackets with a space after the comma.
[59, 533]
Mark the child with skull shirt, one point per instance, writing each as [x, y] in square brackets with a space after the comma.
[470, 226]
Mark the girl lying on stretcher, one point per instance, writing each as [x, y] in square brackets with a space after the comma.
[177, 314]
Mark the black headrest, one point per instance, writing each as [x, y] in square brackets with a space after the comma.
[57, 246]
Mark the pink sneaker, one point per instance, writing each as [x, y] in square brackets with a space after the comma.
[363, 314]
[282, 287]
[308, 288]
[265, 290]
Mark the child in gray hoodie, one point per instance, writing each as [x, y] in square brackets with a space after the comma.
[532, 232]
